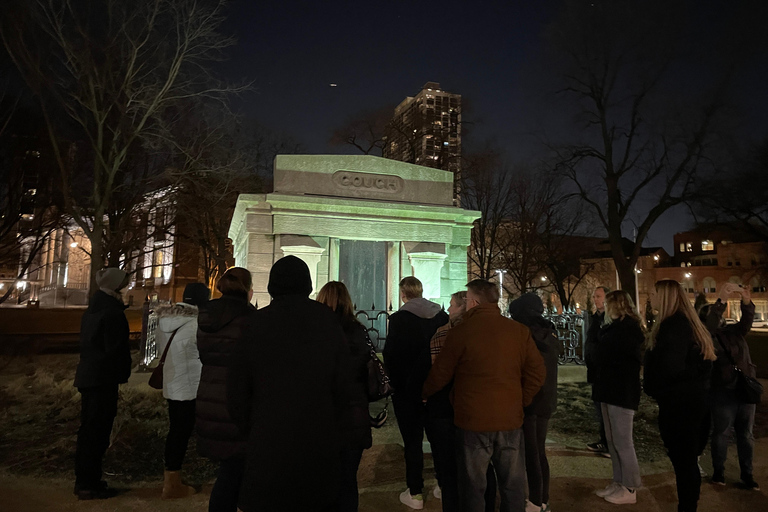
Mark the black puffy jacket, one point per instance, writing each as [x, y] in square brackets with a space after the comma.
[618, 356]
[731, 347]
[220, 325]
[105, 354]
[355, 422]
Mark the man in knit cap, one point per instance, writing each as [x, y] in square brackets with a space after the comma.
[105, 363]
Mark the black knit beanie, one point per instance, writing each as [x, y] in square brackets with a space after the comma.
[289, 276]
[196, 294]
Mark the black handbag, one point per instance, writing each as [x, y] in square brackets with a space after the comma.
[156, 379]
[378, 381]
[748, 389]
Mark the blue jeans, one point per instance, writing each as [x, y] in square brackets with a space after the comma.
[475, 451]
[729, 416]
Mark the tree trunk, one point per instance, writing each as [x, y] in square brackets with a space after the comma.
[96, 236]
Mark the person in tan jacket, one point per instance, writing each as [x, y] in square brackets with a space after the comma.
[497, 370]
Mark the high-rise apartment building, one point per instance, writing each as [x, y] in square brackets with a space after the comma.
[426, 130]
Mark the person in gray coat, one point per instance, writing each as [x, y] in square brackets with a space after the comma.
[528, 309]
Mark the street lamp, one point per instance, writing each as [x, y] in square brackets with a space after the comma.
[501, 273]
[73, 245]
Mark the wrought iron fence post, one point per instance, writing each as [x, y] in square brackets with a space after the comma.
[570, 331]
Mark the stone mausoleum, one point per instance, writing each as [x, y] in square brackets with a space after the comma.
[363, 220]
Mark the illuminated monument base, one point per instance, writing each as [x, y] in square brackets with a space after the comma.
[363, 220]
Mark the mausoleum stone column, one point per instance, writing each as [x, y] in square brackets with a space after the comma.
[306, 249]
[427, 261]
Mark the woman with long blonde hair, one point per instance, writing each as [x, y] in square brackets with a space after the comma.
[678, 366]
[618, 354]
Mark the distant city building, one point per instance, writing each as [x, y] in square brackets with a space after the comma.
[426, 130]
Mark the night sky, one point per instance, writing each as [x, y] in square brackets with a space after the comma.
[379, 52]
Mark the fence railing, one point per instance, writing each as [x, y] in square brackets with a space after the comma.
[571, 331]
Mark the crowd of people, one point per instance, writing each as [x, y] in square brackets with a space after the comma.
[278, 396]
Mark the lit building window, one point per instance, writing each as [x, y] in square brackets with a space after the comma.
[689, 247]
[682, 247]
[707, 245]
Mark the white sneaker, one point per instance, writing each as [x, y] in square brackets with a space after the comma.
[437, 492]
[415, 501]
[530, 507]
[623, 496]
[609, 489]
[545, 507]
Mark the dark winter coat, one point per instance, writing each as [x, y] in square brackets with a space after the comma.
[595, 320]
[355, 421]
[220, 325]
[105, 354]
[675, 370]
[287, 389]
[406, 353]
[618, 356]
[731, 347]
[545, 337]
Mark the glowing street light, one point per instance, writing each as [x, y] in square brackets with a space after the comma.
[687, 275]
[73, 245]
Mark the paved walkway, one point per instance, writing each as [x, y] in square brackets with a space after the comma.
[576, 475]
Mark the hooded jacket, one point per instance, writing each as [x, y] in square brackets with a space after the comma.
[220, 325]
[528, 309]
[406, 352]
[730, 346]
[181, 372]
[105, 354]
[286, 390]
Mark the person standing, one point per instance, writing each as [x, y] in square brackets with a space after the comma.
[439, 417]
[405, 354]
[355, 422]
[729, 412]
[181, 377]
[286, 391]
[220, 325]
[497, 370]
[618, 355]
[528, 310]
[678, 367]
[595, 322]
[105, 363]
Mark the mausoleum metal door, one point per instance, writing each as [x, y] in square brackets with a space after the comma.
[363, 269]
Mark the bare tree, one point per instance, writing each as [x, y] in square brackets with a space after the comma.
[638, 154]
[105, 75]
[737, 192]
[366, 131]
[486, 188]
[26, 190]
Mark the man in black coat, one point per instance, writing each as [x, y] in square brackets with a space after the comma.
[286, 388]
[407, 357]
[105, 363]
[593, 328]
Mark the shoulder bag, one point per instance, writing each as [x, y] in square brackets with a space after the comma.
[748, 389]
[378, 381]
[156, 379]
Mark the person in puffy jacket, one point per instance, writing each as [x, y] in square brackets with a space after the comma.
[729, 412]
[221, 324]
[618, 356]
[528, 310]
[677, 371]
[181, 376]
[105, 363]
[355, 422]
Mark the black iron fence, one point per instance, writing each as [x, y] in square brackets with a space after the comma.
[571, 331]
